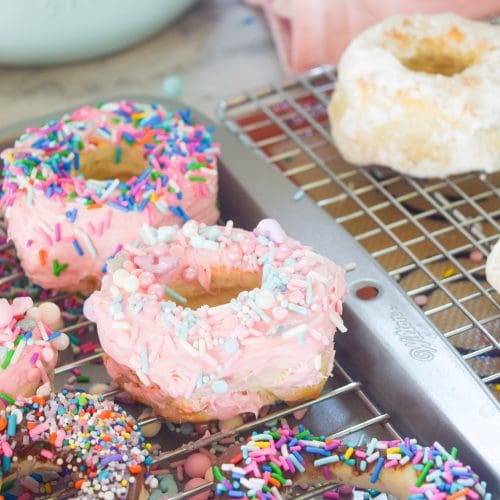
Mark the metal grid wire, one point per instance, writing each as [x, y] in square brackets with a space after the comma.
[342, 410]
[431, 236]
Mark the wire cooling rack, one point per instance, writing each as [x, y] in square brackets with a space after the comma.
[343, 410]
[431, 236]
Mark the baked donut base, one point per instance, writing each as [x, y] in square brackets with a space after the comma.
[178, 410]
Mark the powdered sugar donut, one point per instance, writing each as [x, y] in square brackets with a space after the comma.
[73, 445]
[493, 267]
[78, 187]
[208, 322]
[419, 94]
[28, 347]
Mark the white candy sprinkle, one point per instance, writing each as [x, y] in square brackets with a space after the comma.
[264, 299]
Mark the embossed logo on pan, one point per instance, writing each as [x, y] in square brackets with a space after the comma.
[420, 348]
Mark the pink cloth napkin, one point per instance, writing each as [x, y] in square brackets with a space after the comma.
[309, 33]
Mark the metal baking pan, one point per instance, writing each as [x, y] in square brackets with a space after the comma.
[393, 364]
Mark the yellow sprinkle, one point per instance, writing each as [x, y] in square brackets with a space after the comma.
[138, 116]
[393, 450]
[72, 446]
[449, 272]
[48, 488]
[348, 453]
[497, 387]
[262, 444]
[124, 482]
[126, 435]
[148, 446]
[153, 198]
[10, 158]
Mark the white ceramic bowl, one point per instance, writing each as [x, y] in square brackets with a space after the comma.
[38, 32]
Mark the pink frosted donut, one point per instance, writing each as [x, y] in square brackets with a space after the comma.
[28, 347]
[78, 187]
[207, 322]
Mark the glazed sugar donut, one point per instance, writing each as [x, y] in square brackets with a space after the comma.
[28, 347]
[419, 94]
[76, 445]
[208, 322]
[493, 267]
[406, 469]
[77, 188]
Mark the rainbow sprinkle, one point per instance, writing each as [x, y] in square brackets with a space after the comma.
[98, 448]
[267, 461]
[47, 160]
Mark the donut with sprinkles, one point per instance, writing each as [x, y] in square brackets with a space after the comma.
[208, 322]
[29, 345]
[271, 463]
[74, 445]
[77, 188]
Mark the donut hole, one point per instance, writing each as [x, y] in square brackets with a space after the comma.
[112, 162]
[438, 61]
[446, 54]
[224, 286]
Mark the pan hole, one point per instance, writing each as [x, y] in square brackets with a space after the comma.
[366, 290]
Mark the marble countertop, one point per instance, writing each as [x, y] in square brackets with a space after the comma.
[218, 49]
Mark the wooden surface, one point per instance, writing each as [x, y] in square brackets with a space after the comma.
[218, 49]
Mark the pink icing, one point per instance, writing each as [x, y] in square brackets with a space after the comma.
[231, 358]
[34, 356]
[64, 227]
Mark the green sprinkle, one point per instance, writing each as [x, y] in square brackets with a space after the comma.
[275, 435]
[18, 339]
[155, 175]
[118, 154]
[7, 398]
[427, 467]
[196, 166]
[73, 338]
[217, 473]
[7, 485]
[100, 104]
[176, 296]
[83, 378]
[302, 435]
[115, 120]
[7, 358]
[72, 195]
[82, 401]
[195, 178]
[128, 140]
[278, 477]
[454, 453]
[57, 268]
[276, 468]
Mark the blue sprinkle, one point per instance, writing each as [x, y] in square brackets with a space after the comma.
[12, 424]
[220, 387]
[71, 215]
[298, 195]
[298, 456]
[118, 206]
[376, 471]
[172, 87]
[231, 345]
[317, 451]
[77, 248]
